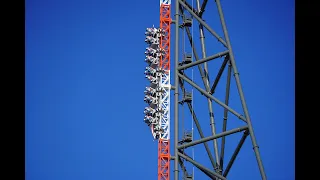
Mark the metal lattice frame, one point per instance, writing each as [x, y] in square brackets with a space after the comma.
[164, 140]
[217, 160]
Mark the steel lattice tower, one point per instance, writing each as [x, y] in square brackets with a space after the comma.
[187, 17]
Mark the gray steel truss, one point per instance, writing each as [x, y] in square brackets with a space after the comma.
[219, 169]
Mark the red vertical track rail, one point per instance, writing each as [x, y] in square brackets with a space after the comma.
[165, 21]
[164, 144]
[163, 159]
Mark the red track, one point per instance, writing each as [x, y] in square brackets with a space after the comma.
[164, 144]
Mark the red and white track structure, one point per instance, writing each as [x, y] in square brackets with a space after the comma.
[157, 114]
[164, 141]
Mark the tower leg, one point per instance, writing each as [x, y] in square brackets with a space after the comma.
[176, 92]
[244, 105]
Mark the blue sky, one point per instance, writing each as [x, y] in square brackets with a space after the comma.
[85, 83]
